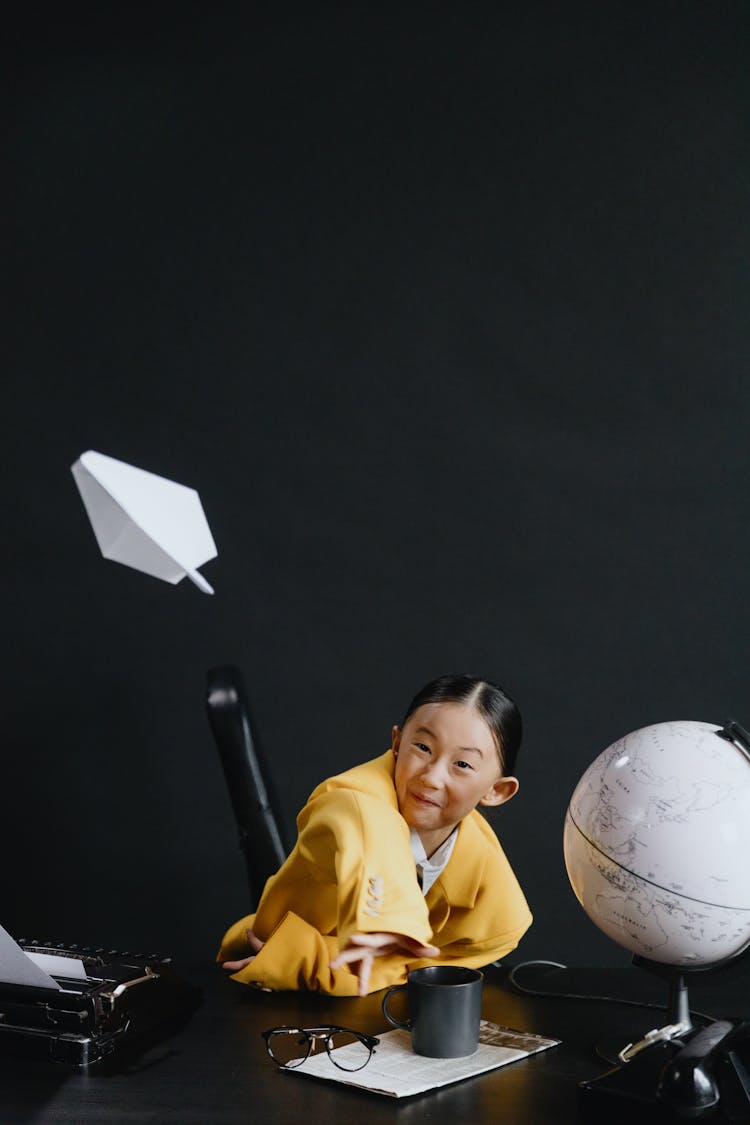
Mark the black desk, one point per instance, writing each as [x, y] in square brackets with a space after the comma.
[216, 1070]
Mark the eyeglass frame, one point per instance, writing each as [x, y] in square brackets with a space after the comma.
[313, 1035]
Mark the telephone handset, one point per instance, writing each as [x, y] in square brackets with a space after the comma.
[687, 1083]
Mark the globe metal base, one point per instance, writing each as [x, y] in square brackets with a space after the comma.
[677, 1012]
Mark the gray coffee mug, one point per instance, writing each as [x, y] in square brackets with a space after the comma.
[445, 1006]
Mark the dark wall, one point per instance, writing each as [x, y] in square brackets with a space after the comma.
[441, 308]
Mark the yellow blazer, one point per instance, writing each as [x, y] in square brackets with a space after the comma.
[352, 871]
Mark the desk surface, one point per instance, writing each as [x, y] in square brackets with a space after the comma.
[216, 1070]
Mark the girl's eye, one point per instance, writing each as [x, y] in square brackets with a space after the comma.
[464, 765]
[421, 746]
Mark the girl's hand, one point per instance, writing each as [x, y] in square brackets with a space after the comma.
[362, 949]
[255, 944]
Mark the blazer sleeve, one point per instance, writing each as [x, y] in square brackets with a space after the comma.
[351, 871]
[297, 956]
[360, 845]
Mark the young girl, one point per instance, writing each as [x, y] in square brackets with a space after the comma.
[393, 868]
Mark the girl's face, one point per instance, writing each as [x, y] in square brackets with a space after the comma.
[446, 764]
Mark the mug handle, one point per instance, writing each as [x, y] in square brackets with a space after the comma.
[391, 1019]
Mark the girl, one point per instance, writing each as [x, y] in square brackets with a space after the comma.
[393, 868]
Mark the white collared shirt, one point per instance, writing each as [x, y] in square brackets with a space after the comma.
[429, 869]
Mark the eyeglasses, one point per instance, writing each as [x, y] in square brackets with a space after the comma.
[291, 1046]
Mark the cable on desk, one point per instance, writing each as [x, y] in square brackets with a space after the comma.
[586, 996]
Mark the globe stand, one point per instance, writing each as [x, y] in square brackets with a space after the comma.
[677, 977]
[678, 1020]
[680, 1070]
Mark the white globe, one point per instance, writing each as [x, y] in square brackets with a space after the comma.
[657, 844]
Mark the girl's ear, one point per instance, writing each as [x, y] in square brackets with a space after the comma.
[395, 740]
[502, 791]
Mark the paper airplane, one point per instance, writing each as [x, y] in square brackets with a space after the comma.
[145, 521]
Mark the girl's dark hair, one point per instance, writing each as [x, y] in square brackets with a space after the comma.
[496, 708]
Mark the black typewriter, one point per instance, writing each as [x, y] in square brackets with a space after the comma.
[126, 1000]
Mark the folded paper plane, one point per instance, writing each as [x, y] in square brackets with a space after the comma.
[145, 521]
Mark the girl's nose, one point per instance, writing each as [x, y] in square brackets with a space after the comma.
[431, 776]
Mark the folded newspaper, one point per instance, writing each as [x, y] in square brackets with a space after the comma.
[396, 1071]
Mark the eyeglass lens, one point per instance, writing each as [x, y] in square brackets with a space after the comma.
[350, 1052]
[289, 1047]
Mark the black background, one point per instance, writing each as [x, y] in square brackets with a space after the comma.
[441, 308]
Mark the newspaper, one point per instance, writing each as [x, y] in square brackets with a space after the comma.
[396, 1071]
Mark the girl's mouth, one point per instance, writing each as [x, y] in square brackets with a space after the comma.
[424, 801]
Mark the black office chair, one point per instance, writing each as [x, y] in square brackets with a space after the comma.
[255, 805]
